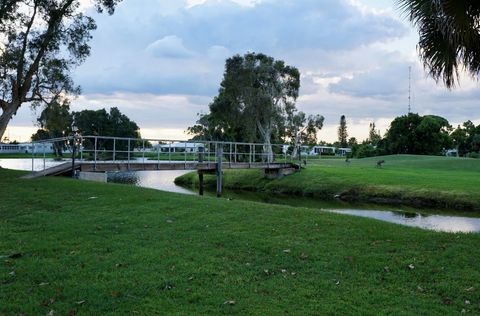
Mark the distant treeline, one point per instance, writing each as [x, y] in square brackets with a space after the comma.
[420, 135]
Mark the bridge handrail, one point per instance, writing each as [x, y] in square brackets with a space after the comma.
[248, 152]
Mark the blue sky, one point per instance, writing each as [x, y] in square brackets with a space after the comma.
[161, 62]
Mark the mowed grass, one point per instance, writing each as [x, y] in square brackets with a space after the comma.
[417, 180]
[106, 249]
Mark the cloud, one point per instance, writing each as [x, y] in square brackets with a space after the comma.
[161, 61]
[388, 80]
[169, 47]
[180, 47]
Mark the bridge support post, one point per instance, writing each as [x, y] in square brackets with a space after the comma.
[219, 170]
[201, 184]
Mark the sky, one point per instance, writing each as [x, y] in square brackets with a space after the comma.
[161, 63]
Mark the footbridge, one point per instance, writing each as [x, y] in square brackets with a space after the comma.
[100, 154]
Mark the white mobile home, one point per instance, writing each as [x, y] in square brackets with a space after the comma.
[37, 148]
[343, 151]
[9, 149]
[181, 147]
[319, 150]
[27, 148]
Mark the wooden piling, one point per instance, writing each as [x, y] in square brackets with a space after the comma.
[219, 170]
[201, 184]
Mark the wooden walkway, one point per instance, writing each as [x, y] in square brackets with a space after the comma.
[57, 170]
[87, 166]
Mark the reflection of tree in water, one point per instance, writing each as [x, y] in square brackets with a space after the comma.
[406, 214]
[124, 177]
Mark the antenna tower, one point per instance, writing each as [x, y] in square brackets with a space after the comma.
[409, 89]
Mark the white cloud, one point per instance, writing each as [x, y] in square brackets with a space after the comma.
[161, 62]
[169, 46]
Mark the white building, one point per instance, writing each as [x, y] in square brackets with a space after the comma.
[180, 147]
[9, 149]
[319, 150]
[325, 150]
[27, 148]
[343, 151]
[451, 153]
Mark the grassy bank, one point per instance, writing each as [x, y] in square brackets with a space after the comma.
[413, 180]
[89, 249]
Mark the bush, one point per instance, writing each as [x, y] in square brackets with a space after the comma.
[473, 155]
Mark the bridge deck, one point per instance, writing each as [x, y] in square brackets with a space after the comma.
[192, 165]
[88, 166]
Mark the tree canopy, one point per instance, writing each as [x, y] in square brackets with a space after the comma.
[41, 41]
[449, 36]
[418, 135]
[342, 132]
[255, 101]
[103, 123]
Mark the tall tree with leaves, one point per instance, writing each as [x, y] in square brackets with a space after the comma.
[41, 41]
[418, 135]
[303, 129]
[449, 36]
[373, 135]
[342, 132]
[103, 123]
[55, 121]
[254, 95]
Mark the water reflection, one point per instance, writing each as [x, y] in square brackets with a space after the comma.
[25, 164]
[162, 180]
[444, 223]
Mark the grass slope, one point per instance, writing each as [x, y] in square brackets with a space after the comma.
[415, 180]
[91, 249]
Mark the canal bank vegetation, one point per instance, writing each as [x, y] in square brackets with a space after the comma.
[427, 181]
[85, 248]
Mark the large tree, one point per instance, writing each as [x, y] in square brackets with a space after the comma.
[302, 129]
[41, 41]
[418, 135]
[374, 136]
[342, 132]
[466, 138]
[103, 123]
[449, 36]
[55, 121]
[252, 103]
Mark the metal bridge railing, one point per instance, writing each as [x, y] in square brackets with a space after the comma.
[103, 149]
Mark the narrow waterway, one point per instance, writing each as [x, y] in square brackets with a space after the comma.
[427, 219]
[164, 180]
[26, 164]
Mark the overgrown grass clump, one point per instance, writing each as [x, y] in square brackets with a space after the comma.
[440, 182]
[97, 249]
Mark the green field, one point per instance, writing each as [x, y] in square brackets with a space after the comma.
[414, 180]
[104, 249]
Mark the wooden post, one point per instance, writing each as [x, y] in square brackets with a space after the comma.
[200, 173]
[200, 183]
[219, 170]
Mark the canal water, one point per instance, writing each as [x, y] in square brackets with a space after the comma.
[164, 180]
[26, 164]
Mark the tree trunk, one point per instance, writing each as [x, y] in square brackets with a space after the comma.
[5, 118]
[266, 133]
[296, 147]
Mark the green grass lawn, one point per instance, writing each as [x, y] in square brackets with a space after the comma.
[96, 249]
[416, 180]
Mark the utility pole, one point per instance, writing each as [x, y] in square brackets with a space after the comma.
[409, 89]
